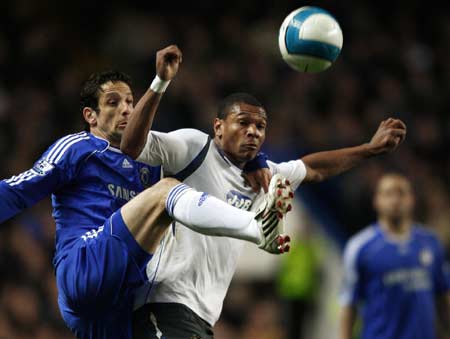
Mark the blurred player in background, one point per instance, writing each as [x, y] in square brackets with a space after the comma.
[394, 270]
[106, 231]
[189, 281]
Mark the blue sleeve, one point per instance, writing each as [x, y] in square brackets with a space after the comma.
[57, 167]
[260, 161]
[441, 272]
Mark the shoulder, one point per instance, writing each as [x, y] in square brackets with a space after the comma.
[186, 136]
[275, 167]
[360, 241]
[425, 234]
[293, 170]
[74, 146]
[193, 136]
[189, 132]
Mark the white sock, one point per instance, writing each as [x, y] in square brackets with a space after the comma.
[208, 215]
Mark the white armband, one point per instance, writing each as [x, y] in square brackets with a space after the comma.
[158, 85]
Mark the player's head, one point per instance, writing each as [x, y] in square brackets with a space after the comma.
[106, 101]
[240, 127]
[394, 198]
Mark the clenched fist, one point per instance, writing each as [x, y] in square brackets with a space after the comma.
[168, 61]
[389, 135]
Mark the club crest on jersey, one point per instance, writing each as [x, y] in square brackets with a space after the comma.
[144, 175]
[237, 199]
[426, 257]
[42, 167]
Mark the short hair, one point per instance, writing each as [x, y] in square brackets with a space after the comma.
[90, 91]
[232, 99]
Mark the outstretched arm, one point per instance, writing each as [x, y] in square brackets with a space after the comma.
[322, 165]
[140, 122]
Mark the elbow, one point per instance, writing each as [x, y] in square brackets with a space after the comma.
[318, 177]
[314, 176]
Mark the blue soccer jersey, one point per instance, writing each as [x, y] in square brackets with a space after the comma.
[87, 179]
[98, 262]
[395, 283]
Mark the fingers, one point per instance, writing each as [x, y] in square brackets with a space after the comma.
[252, 181]
[266, 180]
[391, 122]
[396, 128]
[396, 123]
[258, 179]
[396, 132]
[167, 62]
[395, 138]
[170, 54]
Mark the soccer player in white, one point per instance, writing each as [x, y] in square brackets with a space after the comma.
[189, 280]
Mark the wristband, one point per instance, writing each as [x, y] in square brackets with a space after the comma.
[159, 85]
[258, 162]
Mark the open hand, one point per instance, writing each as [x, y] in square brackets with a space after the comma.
[388, 136]
[168, 61]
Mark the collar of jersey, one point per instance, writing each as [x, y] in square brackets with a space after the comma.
[103, 141]
[389, 239]
[224, 157]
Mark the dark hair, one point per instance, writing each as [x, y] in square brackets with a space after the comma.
[225, 104]
[92, 86]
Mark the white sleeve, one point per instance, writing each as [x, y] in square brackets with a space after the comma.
[349, 287]
[294, 171]
[174, 150]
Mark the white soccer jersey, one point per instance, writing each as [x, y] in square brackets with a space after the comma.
[191, 268]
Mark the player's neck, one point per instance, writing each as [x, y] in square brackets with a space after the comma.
[239, 164]
[397, 229]
[98, 133]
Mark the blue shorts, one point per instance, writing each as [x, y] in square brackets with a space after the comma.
[97, 278]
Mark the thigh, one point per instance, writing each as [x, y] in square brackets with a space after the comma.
[97, 278]
[146, 216]
[169, 321]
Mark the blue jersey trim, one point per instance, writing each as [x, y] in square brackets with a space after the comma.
[194, 164]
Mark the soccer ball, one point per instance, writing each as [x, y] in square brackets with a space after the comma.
[310, 39]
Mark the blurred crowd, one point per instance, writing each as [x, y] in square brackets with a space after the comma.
[393, 63]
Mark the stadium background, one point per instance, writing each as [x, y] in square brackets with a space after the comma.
[394, 62]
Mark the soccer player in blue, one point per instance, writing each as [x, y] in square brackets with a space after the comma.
[109, 220]
[394, 270]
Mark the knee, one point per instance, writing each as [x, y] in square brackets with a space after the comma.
[164, 186]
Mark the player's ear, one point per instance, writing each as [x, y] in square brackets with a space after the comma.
[218, 127]
[90, 116]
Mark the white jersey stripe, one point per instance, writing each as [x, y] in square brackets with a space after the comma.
[159, 334]
[60, 144]
[62, 140]
[17, 177]
[66, 147]
[351, 274]
[51, 159]
[25, 178]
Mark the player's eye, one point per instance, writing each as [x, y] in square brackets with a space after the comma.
[112, 102]
[261, 126]
[243, 122]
